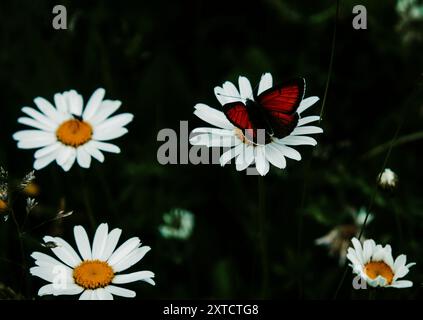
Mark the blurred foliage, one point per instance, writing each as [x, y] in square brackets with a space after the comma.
[161, 58]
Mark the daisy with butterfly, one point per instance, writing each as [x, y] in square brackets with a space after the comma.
[259, 128]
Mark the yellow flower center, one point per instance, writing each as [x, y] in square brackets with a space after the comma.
[74, 132]
[93, 274]
[374, 269]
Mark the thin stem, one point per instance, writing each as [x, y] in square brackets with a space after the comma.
[21, 245]
[261, 219]
[87, 202]
[331, 60]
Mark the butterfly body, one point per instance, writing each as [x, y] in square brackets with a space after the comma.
[274, 110]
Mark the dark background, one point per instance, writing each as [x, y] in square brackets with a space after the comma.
[161, 58]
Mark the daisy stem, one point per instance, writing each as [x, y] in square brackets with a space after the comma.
[261, 219]
[87, 201]
[21, 245]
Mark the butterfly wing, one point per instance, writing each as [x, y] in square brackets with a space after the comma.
[280, 104]
[238, 115]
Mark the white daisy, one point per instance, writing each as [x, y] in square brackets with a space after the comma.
[178, 224]
[96, 272]
[245, 152]
[376, 265]
[67, 132]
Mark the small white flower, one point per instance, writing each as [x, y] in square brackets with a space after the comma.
[245, 152]
[376, 265]
[67, 132]
[339, 238]
[178, 224]
[95, 273]
[388, 179]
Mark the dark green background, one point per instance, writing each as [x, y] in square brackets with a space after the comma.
[161, 58]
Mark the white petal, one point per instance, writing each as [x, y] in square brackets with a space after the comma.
[389, 260]
[34, 135]
[51, 273]
[401, 272]
[93, 104]
[135, 276]
[231, 90]
[214, 140]
[47, 150]
[116, 121]
[298, 140]
[44, 161]
[33, 144]
[221, 96]
[100, 240]
[249, 155]
[61, 104]
[40, 117]
[358, 249]
[106, 109]
[220, 132]
[231, 153]
[35, 123]
[275, 156]
[379, 255]
[64, 251]
[245, 89]
[122, 292]
[104, 146]
[75, 102]
[103, 294]
[64, 154]
[71, 160]
[83, 157]
[112, 240]
[307, 103]
[368, 249]
[109, 134]
[48, 109]
[306, 130]
[266, 82]
[124, 250]
[86, 295]
[93, 151]
[43, 259]
[71, 289]
[245, 158]
[351, 255]
[212, 116]
[262, 165]
[131, 259]
[288, 151]
[400, 261]
[308, 119]
[82, 242]
[402, 284]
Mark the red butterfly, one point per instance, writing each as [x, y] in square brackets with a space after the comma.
[274, 110]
